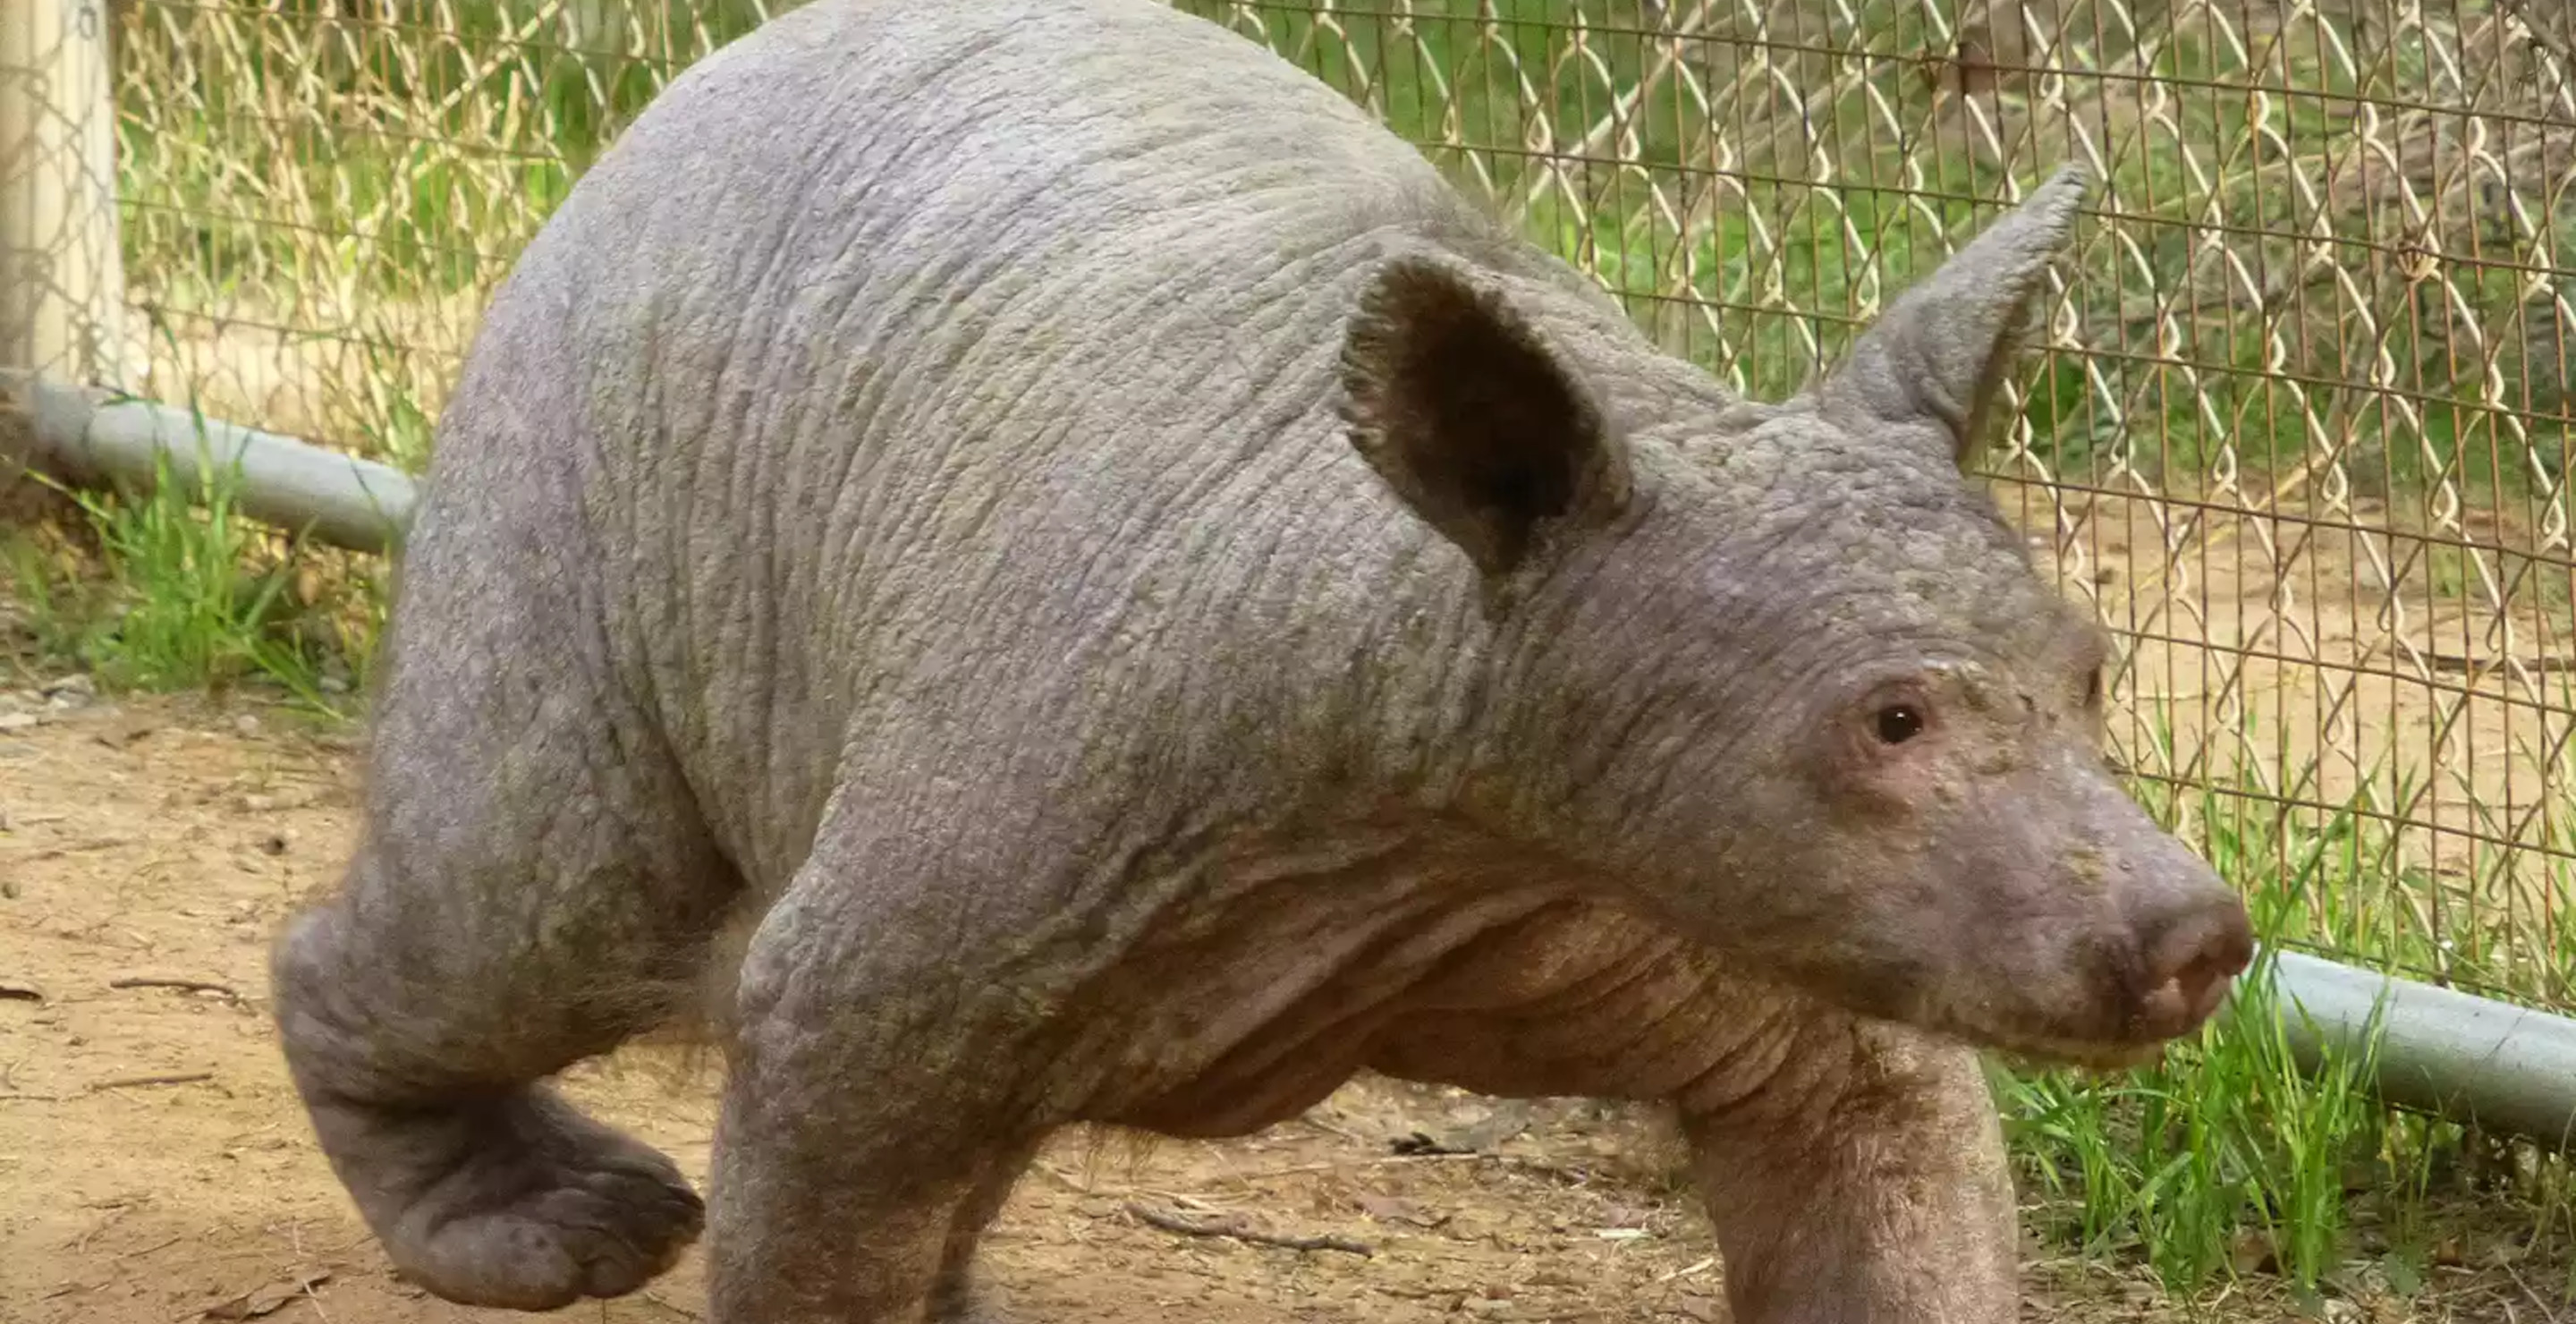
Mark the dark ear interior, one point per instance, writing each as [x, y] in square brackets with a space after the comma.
[1468, 415]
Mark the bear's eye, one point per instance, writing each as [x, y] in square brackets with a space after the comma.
[1898, 723]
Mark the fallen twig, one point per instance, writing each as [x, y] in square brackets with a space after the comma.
[1234, 1226]
[2470, 664]
[115, 1214]
[667, 1304]
[139, 1082]
[2465, 664]
[270, 1299]
[1699, 1265]
[2536, 1299]
[182, 985]
[77, 848]
[2541, 34]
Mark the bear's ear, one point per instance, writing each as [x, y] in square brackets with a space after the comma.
[1480, 426]
[1930, 366]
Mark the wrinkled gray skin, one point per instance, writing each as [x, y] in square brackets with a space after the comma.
[1144, 604]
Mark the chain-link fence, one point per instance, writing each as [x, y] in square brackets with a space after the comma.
[2297, 426]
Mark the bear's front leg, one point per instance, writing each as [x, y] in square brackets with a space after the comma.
[1860, 1181]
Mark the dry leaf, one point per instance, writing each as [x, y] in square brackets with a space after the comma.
[1396, 1209]
[1622, 1215]
[123, 736]
[1507, 1120]
[270, 1299]
[2252, 1253]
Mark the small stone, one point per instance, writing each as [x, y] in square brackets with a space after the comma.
[18, 721]
[246, 726]
[333, 685]
[76, 684]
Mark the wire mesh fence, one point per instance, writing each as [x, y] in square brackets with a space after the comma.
[2295, 425]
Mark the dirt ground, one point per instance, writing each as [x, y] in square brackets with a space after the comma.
[157, 1169]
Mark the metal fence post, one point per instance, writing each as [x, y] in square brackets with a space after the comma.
[62, 277]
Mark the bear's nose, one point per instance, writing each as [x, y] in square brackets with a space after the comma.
[2191, 957]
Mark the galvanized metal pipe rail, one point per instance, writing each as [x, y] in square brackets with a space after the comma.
[87, 438]
[2508, 1069]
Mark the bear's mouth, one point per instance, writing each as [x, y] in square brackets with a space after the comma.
[2099, 1059]
[2057, 1051]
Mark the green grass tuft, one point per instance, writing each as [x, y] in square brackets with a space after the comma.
[185, 592]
